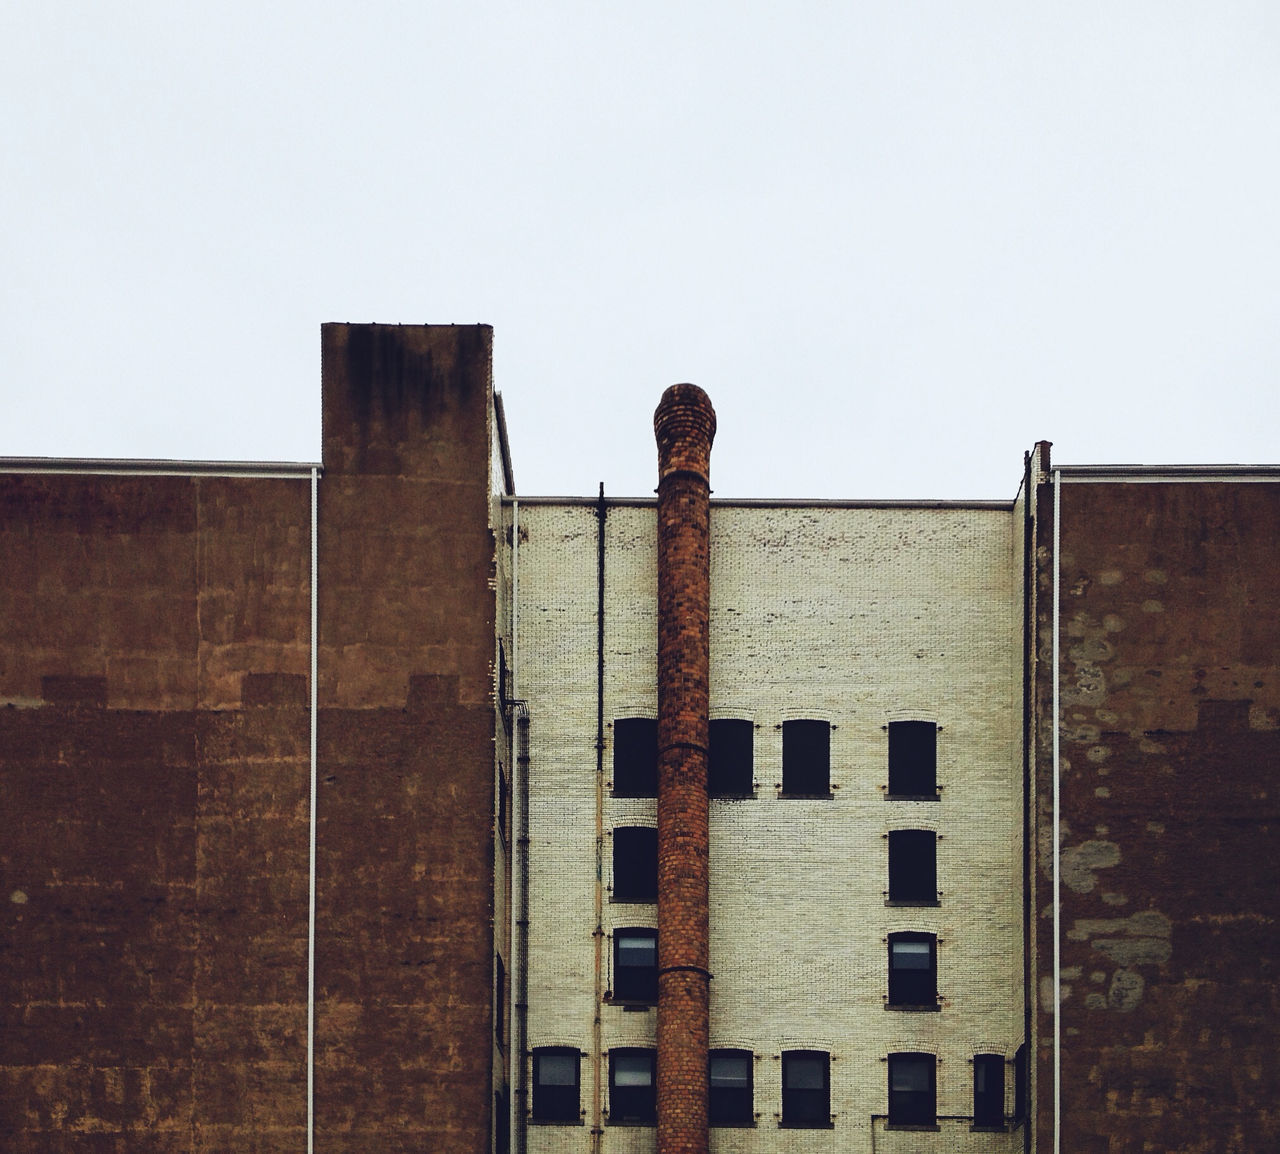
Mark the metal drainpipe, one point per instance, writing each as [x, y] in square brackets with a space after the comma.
[520, 863]
[597, 1051]
[519, 1043]
[1057, 827]
[311, 823]
[684, 425]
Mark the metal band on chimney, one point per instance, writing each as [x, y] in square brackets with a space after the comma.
[685, 425]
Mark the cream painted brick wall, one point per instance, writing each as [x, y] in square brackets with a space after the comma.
[852, 614]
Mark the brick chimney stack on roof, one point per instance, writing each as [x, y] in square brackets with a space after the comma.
[685, 425]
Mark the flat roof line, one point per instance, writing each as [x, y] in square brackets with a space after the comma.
[125, 467]
[772, 503]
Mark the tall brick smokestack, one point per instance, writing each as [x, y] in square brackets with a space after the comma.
[685, 425]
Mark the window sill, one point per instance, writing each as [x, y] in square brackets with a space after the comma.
[733, 1125]
[912, 902]
[806, 796]
[912, 1008]
[635, 1123]
[976, 1129]
[653, 901]
[806, 1125]
[913, 797]
[632, 1004]
[556, 1122]
[749, 796]
[641, 796]
[926, 1127]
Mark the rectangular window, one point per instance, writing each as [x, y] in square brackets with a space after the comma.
[635, 965]
[635, 864]
[730, 764]
[635, 757]
[555, 1084]
[913, 866]
[913, 759]
[913, 971]
[913, 1099]
[806, 1088]
[632, 1093]
[731, 1102]
[988, 1090]
[806, 758]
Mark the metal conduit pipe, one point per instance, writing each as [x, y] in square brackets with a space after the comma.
[684, 425]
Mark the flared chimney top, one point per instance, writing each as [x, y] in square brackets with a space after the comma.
[685, 425]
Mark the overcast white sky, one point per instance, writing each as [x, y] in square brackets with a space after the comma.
[897, 242]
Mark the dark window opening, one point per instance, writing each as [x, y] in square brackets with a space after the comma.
[632, 1093]
[730, 1102]
[730, 764]
[806, 758]
[635, 864]
[913, 759]
[913, 970]
[913, 866]
[806, 1088]
[635, 757]
[988, 1090]
[635, 965]
[555, 1084]
[913, 1099]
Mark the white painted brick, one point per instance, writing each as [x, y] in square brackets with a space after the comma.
[853, 614]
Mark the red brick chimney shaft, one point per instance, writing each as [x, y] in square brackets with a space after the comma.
[685, 425]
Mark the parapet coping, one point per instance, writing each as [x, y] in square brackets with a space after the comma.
[160, 468]
[1206, 474]
[767, 503]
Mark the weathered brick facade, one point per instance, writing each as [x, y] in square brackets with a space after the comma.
[1099, 689]
[155, 657]
[1169, 745]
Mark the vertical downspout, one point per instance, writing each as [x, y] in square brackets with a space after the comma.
[685, 426]
[1029, 636]
[520, 1041]
[520, 862]
[597, 1052]
[311, 829]
[1057, 826]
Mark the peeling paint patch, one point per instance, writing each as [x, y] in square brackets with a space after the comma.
[1111, 576]
[19, 898]
[1135, 951]
[1126, 990]
[1079, 861]
[1115, 899]
[1153, 607]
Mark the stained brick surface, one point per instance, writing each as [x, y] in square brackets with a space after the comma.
[154, 766]
[1170, 746]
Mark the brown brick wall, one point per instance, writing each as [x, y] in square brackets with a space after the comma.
[154, 770]
[1170, 759]
[405, 888]
[153, 834]
[685, 425]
